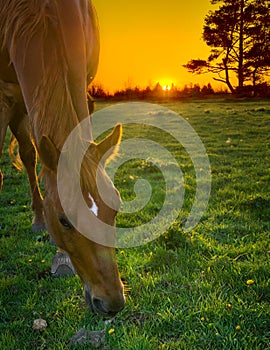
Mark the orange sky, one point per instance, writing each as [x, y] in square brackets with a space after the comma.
[146, 41]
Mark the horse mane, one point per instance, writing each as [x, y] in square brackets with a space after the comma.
[21, 18]
[56, 102]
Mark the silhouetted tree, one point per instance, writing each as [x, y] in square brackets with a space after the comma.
[238, 33]
[97, 91]
[207, 90]
[157, 88]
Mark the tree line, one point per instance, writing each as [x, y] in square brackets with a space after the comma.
[156, 92]
[172, 92]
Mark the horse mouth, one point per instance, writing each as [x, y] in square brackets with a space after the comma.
[98, 306]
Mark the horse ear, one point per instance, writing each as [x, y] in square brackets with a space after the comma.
[48, 153]
[110, 144]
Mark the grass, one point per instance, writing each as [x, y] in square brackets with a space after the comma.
[189, 290]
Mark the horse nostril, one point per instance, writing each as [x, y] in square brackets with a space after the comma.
[99, 305]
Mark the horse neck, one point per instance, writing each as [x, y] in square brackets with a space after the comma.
[56, 112]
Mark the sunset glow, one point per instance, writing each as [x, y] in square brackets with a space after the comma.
[137, 49]
[166, 87]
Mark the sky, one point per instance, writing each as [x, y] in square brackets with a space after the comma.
[147, 41]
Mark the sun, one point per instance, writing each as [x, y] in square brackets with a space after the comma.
[166, 87]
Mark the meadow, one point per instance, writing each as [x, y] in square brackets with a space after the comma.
[208, 288]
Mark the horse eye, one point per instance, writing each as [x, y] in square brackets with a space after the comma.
[65, 223]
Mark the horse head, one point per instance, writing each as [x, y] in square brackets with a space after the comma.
[94, 262]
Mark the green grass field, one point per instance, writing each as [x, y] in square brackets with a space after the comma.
[204, 289]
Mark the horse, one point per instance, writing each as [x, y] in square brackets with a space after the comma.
[49, 55]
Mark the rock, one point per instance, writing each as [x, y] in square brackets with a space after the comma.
[84, 337]
[62, 265]
[40, 325]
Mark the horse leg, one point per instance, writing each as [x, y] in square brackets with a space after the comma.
[3, 129]
[4, 120]
[27, 151]
[61, 265]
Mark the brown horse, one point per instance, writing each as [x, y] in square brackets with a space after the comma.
[49, 55]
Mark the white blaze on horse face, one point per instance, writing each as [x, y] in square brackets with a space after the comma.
[94, 208]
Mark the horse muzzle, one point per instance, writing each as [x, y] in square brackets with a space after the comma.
[104, 306]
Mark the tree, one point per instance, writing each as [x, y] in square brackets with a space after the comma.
[97, 91]
[238, 33]
[258, 54]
